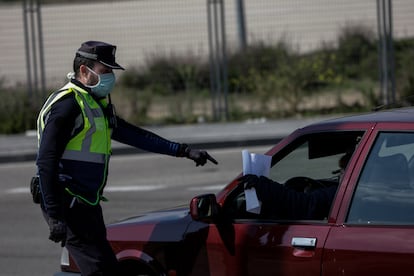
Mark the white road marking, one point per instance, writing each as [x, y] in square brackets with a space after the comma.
[22, 190]
[126, 189]
[206, 188]
[134, 188]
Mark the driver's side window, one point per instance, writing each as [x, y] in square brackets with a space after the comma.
[321, 157]
[299, 164]
[310, 163]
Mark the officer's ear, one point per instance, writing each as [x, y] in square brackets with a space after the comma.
[83, 74]
[83, 70]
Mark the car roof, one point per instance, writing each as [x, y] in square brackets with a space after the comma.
[399, 115]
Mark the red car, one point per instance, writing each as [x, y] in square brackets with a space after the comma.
[368, 228]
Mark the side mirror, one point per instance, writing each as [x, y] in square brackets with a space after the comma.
[204, 208]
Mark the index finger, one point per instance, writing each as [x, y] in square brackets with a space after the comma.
[209, 157]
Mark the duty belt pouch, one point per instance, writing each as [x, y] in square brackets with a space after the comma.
[35, 189]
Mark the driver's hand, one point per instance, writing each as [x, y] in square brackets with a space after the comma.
[249, 181]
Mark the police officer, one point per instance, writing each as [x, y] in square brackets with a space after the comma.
[75, 128]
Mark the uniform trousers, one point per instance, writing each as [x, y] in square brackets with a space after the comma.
[86, 239]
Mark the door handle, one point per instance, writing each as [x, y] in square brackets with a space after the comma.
[304, 242]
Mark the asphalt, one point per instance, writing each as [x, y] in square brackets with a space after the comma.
[22, 147]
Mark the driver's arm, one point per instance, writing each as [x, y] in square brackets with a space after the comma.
[283, 203]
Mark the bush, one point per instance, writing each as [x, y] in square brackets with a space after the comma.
[259, 58]
[357, 53]
[404, 64]
[168, 75]
[17, 111]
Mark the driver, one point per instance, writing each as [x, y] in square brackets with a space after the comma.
[278, 201]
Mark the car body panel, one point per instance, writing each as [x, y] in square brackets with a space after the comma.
[369, 250]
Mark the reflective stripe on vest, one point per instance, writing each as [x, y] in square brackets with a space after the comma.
[44, 112]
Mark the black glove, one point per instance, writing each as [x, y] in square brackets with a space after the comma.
[200, 157]
[249, 181]
[57, 230]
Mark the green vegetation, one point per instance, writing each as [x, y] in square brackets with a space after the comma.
[271, 81]
[17, 112]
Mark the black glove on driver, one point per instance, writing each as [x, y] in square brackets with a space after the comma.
[249, 181]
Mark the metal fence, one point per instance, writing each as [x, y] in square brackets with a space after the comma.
[161, 27]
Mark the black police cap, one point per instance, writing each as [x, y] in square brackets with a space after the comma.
[101, 52]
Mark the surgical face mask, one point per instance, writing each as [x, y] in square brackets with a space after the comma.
[104, 85]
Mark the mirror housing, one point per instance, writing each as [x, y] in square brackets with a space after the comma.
[204, 208]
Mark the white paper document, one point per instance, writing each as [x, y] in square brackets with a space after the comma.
[257, 164]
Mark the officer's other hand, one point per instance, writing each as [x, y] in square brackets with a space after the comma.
[57, 230]
[200, 157]
[249, 181]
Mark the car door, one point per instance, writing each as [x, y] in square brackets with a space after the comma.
[374, 234]
[247, 244]
[265, 248]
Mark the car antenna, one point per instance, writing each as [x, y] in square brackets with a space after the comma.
[404, 102]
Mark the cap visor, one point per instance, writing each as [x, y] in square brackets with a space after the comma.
[113, 66]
